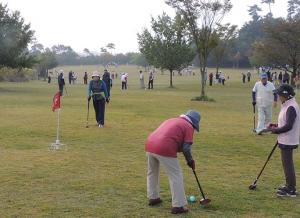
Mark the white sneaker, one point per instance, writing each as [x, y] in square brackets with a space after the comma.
[100, 126]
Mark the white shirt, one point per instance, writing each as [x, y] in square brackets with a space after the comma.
[123, 78]
[264, 93]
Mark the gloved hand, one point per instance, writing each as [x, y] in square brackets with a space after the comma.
[107, 100]
[89, 98]
[254, 103]
[191, 164]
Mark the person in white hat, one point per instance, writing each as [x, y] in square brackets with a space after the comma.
[97, 89]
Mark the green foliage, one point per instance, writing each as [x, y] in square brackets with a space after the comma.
[16, 74]
[15, 36]
[168, 48]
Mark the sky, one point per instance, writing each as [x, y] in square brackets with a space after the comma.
[93, 24]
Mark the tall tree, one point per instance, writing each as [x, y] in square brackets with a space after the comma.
[168, 47]
[202, 17]
[293, 9]
[254, 12]
[269, 2]
[15, 35]
[226, 36]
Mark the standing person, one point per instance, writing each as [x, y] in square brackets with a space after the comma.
[107, 80]
[74, 77]
[249, 76]
[85, 78]
[49, 78]
[244, 77]
[222, 78]
[286, 78]
[211, 76]
[70, 77]
[61, 82]
[280, 78]
[151, 78]
[123, 80]
[263, 96]
[288, 128]
[142, 83]
[97, 90]
[172, 136]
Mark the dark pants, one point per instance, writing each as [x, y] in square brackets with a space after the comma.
[288, 168]
[70, 80]
[99, 106]
[223, 82]
[150, 84]
[85, 81]
[61, 89]
[248, 79]
[210, 82]
[124, 85]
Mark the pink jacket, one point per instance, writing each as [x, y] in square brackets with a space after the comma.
[291, 137]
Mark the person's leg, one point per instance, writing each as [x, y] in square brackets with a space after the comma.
[268, 115]
[288, 167]
[152, 177]
[96, 108]
[261, 119]
[101, 111]
[175, 176]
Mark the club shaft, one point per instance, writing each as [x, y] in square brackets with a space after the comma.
[199, 184]
[269, 157]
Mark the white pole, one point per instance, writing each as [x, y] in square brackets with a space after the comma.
[57, 132]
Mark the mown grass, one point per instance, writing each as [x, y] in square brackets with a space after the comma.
[103, 171]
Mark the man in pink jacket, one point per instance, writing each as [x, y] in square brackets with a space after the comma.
[172, 136]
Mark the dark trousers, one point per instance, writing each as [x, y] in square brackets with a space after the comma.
[248, 79]
[85, 81]
[210, 82]
[124, 85]
[99, 107]
[70, 80]
[150, 84]
[61, 89]
[288, 168]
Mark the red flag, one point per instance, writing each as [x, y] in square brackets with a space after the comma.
[56, 101]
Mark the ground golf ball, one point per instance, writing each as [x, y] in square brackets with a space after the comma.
[192, 198]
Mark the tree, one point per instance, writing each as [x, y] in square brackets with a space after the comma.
[168, 48]
[254, 12]
[293, 9]
[202, 17]
[280, 46]
[226, 36]
[269, 2]
[65, 54]
[15, 36]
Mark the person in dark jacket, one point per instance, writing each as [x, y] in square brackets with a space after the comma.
[106, 78]
[85, 78]
[70, 77]
[61, 82]
[98, 91]
[286, 78]
[288, 129]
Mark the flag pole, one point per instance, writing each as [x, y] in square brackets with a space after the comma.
[57, 142]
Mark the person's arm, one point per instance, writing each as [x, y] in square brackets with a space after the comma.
[254, 90]
[89, 90]
[290, 120]
[105, 89]
[186, 150]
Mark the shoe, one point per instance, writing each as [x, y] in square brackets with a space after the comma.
[178, 210]
[153, 202]
[100, 126]
[284, 188]
[286, 193]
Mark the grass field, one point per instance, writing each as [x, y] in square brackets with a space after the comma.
[103, 171]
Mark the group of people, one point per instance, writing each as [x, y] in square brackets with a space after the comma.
[72, 77]
[248, 75]
[176, 135]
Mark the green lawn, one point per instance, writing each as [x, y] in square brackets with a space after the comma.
[102, 173]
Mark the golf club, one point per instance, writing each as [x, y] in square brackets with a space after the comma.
[204, 200]
[87, 117]
[254, 118]
[254, 185]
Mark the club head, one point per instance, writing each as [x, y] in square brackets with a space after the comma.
[205, 201]
[252, 187]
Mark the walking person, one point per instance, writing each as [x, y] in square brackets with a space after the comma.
[172, 136]
[106, 78]
[49, 77]
[288, 128]
[286, 78]
[97, 90]
[123, 81]
[142, 83]
[280, 78]
[211, 76]
[61, 82]
[85, 78]
[263, 96]
[151, 79]
[70, 77]
[244, 77]
[248, 76]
